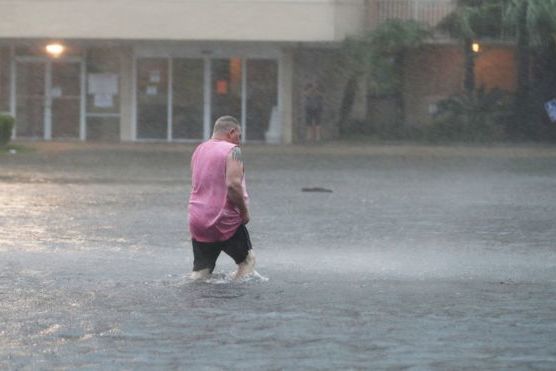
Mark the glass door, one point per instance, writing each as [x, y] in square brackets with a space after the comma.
[65, 99]
[5, 74]
[48, 98]
[31, 99]
[152, 98]
[226, 88]
[181, 98]
[262, 97]
[187, 98]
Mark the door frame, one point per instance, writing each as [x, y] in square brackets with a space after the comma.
[47, 112]
[208, 54]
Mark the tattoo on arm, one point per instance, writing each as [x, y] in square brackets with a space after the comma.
[236, 154]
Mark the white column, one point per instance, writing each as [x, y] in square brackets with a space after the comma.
[285, 95]
[13, 102]
[170, 99]
[207, 92]
[134, 97]
[83, 105]
[126, 92]
[48, 101]
[243, 99]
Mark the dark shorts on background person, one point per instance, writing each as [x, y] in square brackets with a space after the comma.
[237, 247]
[313, 116]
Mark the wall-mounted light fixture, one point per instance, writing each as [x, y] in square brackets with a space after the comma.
[55, 49]
[475, 47]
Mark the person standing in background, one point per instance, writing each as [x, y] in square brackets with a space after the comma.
[313, 111]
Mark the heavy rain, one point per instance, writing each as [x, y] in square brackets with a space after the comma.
[399, 158]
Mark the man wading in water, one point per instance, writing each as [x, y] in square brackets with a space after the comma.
[218, 209]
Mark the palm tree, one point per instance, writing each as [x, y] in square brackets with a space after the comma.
[534, 24]
[533, 19]
[472, 19]
[393, 40]
[354, 68]
[380, 56]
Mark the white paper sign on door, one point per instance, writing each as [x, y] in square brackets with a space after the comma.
[56, 92]
[154, 76]
[104, 100]
[103, 83]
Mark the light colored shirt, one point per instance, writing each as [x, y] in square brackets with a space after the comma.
[212, 216]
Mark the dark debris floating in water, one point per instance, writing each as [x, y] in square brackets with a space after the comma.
[316, 189]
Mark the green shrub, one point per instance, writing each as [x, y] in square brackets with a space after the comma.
[478, 117]
[6, 126]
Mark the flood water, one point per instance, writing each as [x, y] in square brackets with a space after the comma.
[420, 258]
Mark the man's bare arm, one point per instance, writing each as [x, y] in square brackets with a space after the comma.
[234, 177]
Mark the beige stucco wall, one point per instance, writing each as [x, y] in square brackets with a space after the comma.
[247, 20]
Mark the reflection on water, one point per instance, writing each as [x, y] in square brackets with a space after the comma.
[413, 261]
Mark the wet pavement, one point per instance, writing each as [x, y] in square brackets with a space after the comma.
[420, 258]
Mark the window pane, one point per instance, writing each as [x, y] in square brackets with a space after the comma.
[152, 98]
[39, 50]
[30, 99]
[226, 88]
[4, 79]
[66, 99]
[103, 94]
[103, 128]
[103, 70]
[262, 96]
[187, 99]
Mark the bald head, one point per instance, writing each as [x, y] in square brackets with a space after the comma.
[227, 128]
[225, 124]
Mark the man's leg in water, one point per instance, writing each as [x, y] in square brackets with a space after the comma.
[239, 248]
[246, 267]
[200, 275]
[204, 259]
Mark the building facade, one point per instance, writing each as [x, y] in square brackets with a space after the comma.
[138, 70]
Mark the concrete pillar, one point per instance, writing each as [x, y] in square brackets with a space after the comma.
[126, 96]
[285, 95]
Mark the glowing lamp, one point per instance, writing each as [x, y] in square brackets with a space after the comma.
[55, 50]
[475, 47]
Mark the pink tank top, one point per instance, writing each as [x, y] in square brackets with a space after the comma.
[212, 217]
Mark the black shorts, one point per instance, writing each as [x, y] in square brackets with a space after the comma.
[313, 117]
[206, 253]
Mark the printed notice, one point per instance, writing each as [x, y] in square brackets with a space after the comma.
[154, 76]
[103, 83]
[104, 100]
[56, 92]
[103, 87]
